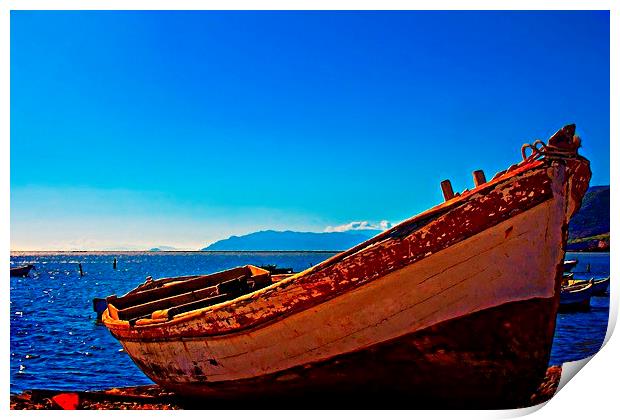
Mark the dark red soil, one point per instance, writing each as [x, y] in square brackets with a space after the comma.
[149, 397]
[547, 389]
[152, 397]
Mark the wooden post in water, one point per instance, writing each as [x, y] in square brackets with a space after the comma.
[114, 263]
[446, 188]
[81, 271]
[479, 178]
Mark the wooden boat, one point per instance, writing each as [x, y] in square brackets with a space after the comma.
[569, 265]
[427, 313]
[566, 279]
[22, 271]
[576, 297]
[599, 286]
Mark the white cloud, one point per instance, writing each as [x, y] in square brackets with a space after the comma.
[363, 225]
[384, 225]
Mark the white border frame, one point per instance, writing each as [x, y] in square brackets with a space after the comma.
[592, 395]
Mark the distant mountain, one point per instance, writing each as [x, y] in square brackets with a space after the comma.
[163, 248]
[271, 240]
[588, 230]
[593, 216]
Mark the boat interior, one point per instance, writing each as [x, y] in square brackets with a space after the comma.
[577, 287]
[572, 282]
[163, 299]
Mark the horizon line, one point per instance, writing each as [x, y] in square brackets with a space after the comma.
[172, 251]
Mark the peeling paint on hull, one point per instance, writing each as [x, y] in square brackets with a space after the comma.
[403, 311]
[440, 366]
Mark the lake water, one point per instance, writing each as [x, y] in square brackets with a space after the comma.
[56, 343]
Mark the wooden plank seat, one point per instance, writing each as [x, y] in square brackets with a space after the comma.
[167, 297]
[147, 308]
[173, 286]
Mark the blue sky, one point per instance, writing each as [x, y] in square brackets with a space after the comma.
[137, 129]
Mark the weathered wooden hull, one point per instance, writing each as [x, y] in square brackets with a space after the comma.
[453, 364]
[454, 307]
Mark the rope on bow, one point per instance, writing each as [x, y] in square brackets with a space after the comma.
[539, 148]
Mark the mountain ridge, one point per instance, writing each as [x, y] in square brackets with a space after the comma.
[271, 240]
[588, 231]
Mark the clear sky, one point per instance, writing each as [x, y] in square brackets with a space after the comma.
[131, 130]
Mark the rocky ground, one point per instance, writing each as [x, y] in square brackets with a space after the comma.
[547, 389]
[152, 397]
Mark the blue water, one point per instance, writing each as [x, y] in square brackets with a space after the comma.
[56, 343]
[581, 334]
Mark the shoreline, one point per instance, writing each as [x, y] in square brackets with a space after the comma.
[152, 397]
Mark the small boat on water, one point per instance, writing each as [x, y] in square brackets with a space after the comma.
[599, 286]
[427, 312]
[569, 265]
[576, 297]
[22, 271]
[566, 279]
